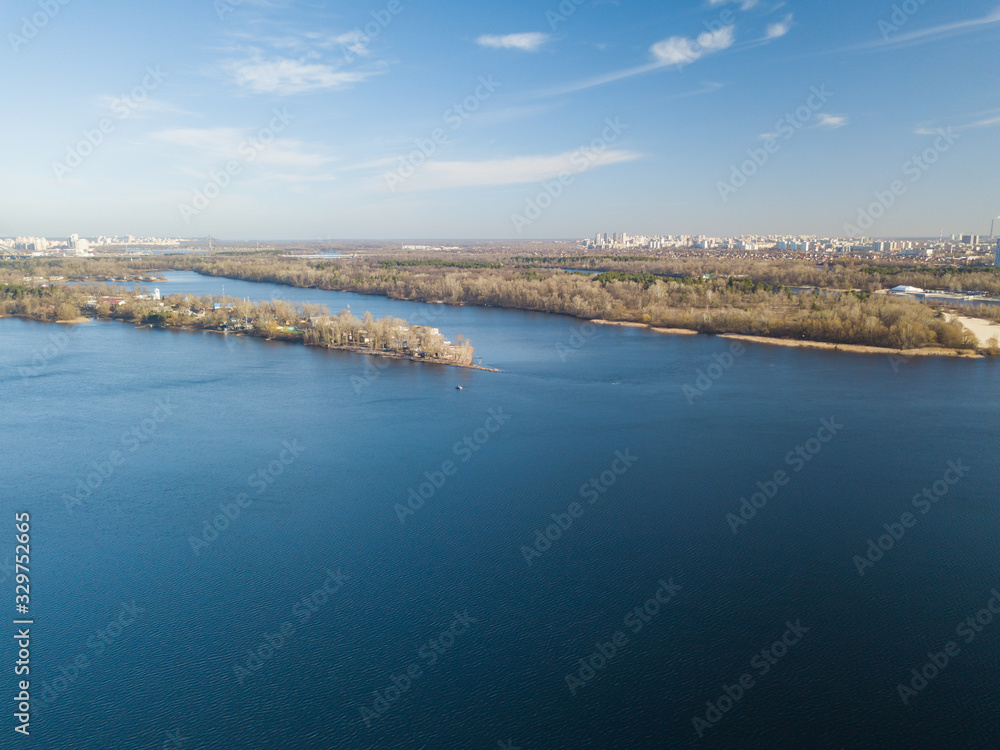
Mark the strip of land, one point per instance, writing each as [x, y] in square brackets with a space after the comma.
[838, 305]
[857, 348]
[312, 325]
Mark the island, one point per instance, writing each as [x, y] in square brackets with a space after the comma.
[848, 303]
[312, 325]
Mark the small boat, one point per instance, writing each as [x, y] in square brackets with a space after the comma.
[458, 387]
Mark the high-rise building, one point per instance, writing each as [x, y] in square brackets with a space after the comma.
[996, 255]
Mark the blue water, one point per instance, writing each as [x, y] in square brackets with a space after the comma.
[196, 417]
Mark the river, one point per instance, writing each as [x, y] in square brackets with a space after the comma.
[255, 544]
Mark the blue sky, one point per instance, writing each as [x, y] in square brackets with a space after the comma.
[522, 119]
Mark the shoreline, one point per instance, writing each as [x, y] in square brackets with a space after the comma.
[352, 349]
[628, 324]
[804, 344]
[856, 348]
[191, 329]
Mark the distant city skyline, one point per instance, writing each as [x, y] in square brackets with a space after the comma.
[382, 120]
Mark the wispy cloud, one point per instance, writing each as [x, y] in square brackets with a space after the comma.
[284, 76]
[437, 175]
[824, 121]
[675, 51]
[679, 50]
[831, 122]
[780, 28]
[974, 121]
[744, 4]
[934, 33]
[528, 42]
[128, 108]
[225, 143]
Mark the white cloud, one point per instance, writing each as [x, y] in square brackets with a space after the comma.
[285, 76]
[218, 142]
[435, 175]
[831, 122]
[679, 50]
[222, 143]
[937, 32]
[744, 4]
[528, 42]
[987, 119]
[124, 107]
[779, 29]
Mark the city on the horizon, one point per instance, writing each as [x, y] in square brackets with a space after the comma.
[968, 248]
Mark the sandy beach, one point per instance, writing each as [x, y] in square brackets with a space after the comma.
[983, 329]
[674, 331]
[857, 348]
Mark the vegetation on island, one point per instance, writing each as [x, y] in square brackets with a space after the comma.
[309, 324]
[707, 294]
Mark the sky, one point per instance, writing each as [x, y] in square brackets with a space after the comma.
[522, 119]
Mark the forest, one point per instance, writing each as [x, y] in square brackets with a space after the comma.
[702, 294]
[313, 325]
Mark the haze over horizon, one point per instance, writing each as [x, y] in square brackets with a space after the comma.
[389, 119]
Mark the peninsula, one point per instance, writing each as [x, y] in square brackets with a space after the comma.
[312, 325]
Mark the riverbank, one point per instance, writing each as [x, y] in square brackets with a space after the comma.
[627, 324]
[803, 344]
[718, 305]
[292, 338]
[333, 347]
[856, 348]
[354, 349]
[775, 312]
